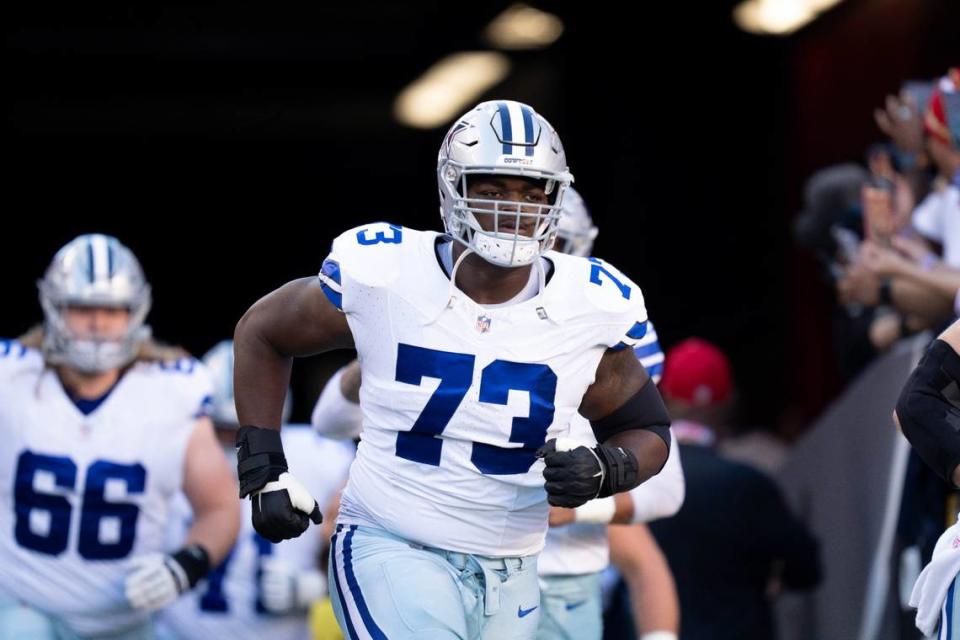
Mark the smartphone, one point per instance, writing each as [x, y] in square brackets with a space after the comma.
[921, 92]
[951, 105]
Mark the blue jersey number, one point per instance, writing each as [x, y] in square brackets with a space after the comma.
[597, 268]
[380, 236]
[455, 372]
[95, 508]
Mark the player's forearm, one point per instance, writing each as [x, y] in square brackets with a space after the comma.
[215, 529]
[649, 448]
[653, 595]
[653, 598]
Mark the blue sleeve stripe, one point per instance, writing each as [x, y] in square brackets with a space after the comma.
[206, 408]
[620, 346]
[655, 371]
[331, 269]
[649, 361]
[651, 335]
[647, 350]
[637, 331]
[333, 296]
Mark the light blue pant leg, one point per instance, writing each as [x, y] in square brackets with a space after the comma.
[18, 621]
[572, 608]
[383, 587]
[950, 613]
[142, 631]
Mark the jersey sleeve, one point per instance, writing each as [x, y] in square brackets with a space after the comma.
[662, 495]
[185, 389]
[361, 261]
[650, 354]
[14, 358]
[617, 300]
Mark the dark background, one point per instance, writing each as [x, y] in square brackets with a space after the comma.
[227, 144]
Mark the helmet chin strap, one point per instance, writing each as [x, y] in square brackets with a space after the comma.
[452, 287]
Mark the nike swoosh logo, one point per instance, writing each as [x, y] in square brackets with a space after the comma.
[521, 612]
[571, 607]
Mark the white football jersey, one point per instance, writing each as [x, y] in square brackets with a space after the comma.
[226, 604]
[457, 397]
[82, 495]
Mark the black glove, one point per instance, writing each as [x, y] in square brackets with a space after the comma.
[580, 474]
[282, 507]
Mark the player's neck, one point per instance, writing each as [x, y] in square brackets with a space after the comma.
[487, 283]
[87, 386]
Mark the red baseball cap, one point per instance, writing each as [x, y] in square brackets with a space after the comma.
[935, 122]
[698, 373]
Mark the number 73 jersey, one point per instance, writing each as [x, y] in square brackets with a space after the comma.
[457, 397]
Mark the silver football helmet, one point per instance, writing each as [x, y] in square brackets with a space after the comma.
[93, 270]
[576, 231]
[508, 138]
[219, 361]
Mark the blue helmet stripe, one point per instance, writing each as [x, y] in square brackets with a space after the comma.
[507, 126]
[528, 128]
[90, 259]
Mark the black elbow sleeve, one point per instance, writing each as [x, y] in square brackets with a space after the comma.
[644, 410]
[929, 409]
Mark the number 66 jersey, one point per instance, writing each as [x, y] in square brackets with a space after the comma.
[457, 397]
[84, 492]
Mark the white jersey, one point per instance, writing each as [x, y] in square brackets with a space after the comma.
[581, 548]
[226, 604]
[937, 218]
[457, 397]
[82, 495]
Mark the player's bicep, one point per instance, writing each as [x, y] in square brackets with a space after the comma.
[298, 319]
[619, 377]
[295, 320]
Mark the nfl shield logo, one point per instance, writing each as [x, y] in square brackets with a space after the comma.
[483, 324]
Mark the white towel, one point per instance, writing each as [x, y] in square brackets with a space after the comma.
[931, 587]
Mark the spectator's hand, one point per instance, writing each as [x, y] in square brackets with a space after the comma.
[913, 249]
[901, 119]
[859, 285]
[883, 262]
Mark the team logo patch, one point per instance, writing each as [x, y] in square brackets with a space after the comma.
[483, 323]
